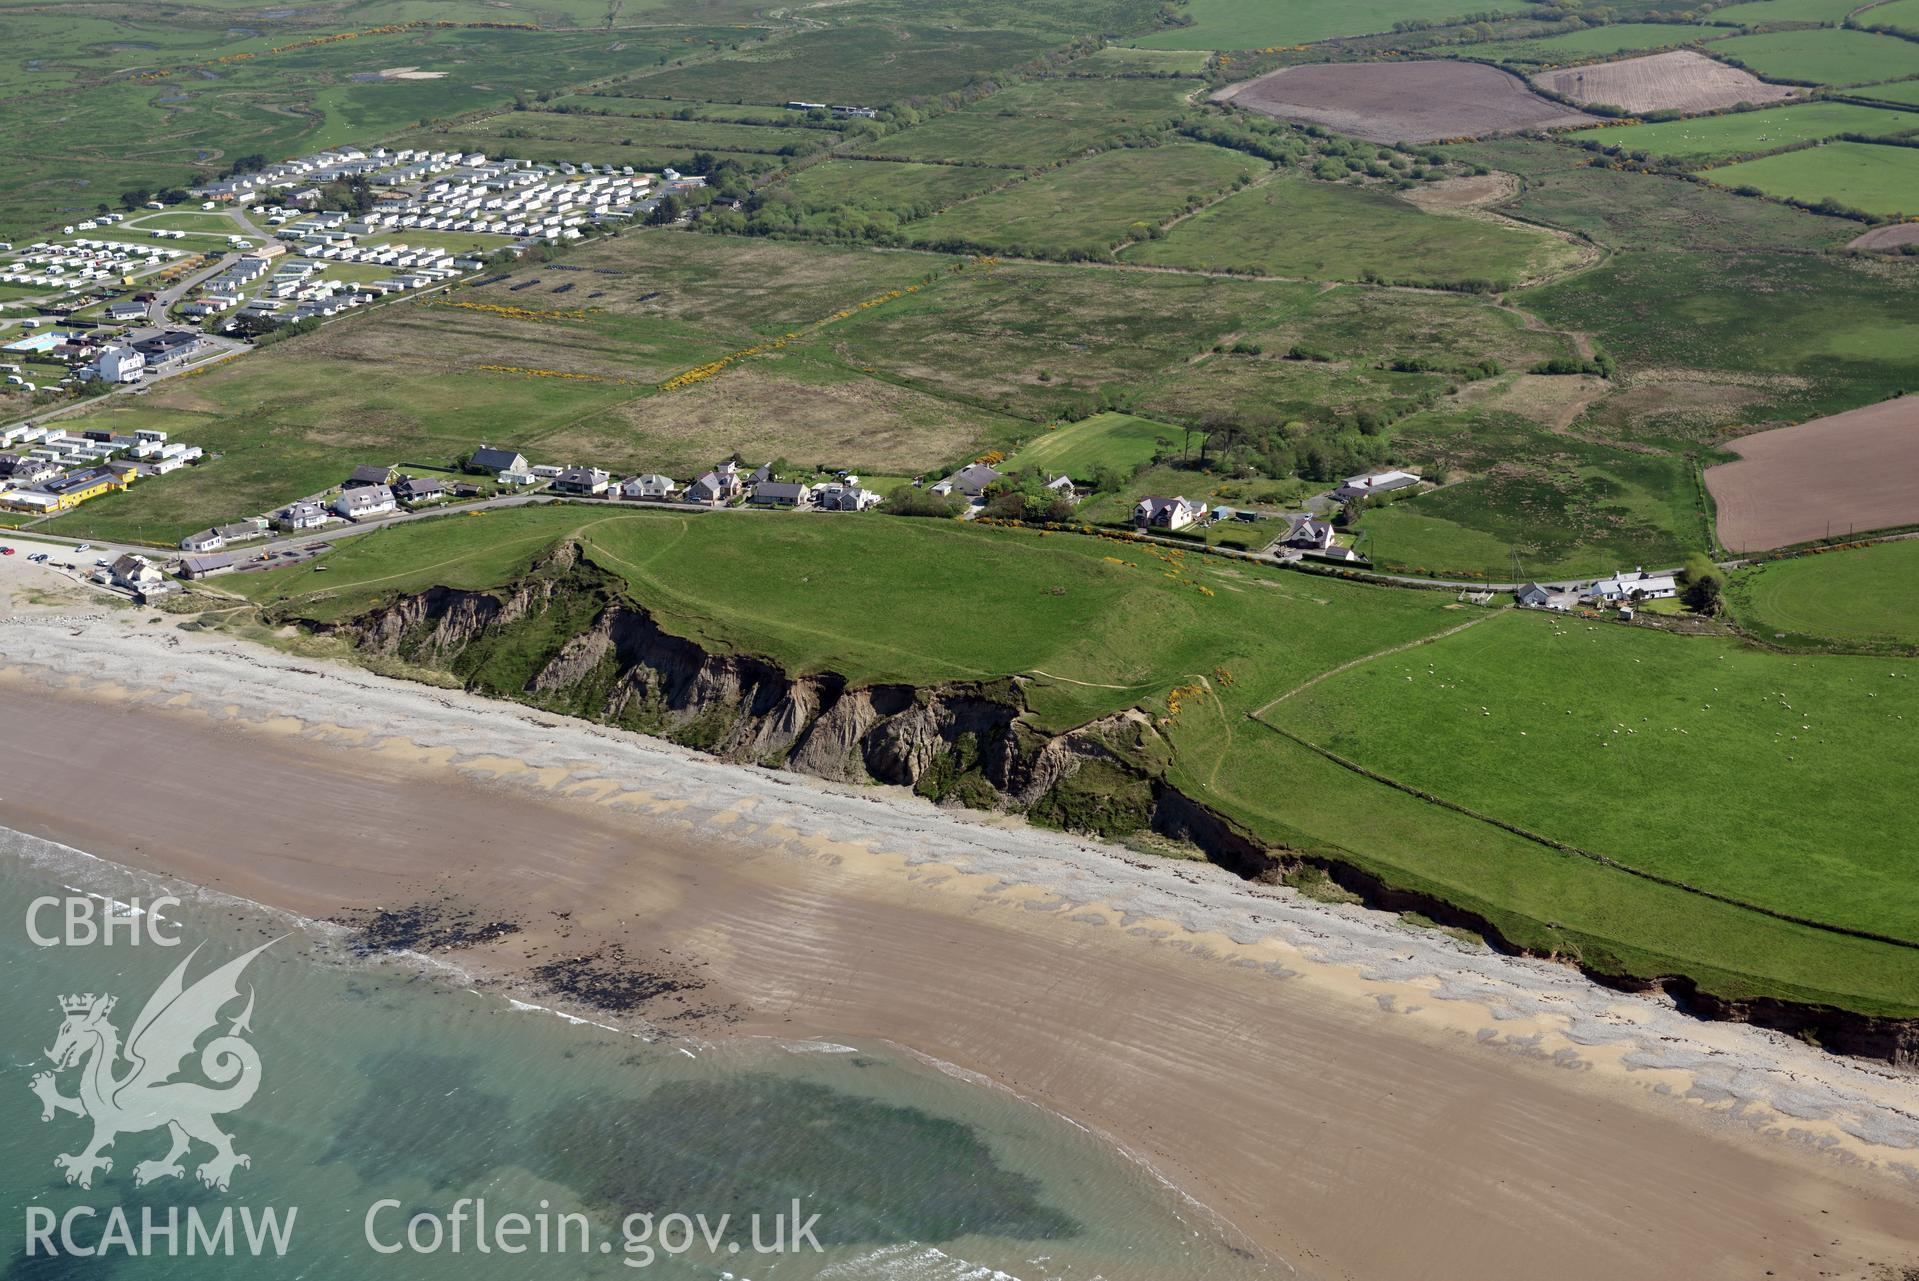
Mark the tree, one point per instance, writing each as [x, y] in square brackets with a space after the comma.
[666, 213]
[1700, 585]
[909, 500]
[134, 197]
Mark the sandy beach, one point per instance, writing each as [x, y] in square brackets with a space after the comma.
[1355, 1097]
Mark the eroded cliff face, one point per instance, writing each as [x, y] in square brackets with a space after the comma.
[564, 638]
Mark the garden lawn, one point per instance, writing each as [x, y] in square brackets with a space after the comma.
[1328, 231]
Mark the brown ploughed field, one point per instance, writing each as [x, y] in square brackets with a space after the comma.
[1677, 81]
[1831, 477]
[1887, 239]
[1402, 101]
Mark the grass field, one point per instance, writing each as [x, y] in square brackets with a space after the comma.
[909, 190]
[1737, 771]
[1859, 597]
[1569, 510]
[1361, 334]
[1772, 336]
[1120, 60]
[1743, 133]
[1324, 231]
[1040, 122]
[1260, 24]
[1592, 43]
[1826, 56]
[867, 64]
[645, 144]
[1079, 610]
[1039, 340]
[1903, 92]
[1119, 441]
[658, 134]
[1089, 206]
[1760, 12]
[1900, 15]
[426, 383]
[675, 108]
[708, 578]
[1638, 211]
[1880, 180]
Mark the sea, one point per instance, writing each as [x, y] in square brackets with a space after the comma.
[406, 1122]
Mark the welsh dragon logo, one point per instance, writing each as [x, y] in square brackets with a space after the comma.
[143, 1095]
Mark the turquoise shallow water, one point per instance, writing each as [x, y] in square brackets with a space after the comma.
[398, 1089]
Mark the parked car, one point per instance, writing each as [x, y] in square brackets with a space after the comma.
[6, 551]
[82, 547]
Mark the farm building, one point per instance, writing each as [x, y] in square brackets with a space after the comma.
[487, 460]
[1378, 482]
[1638, 585]
[205, 566]
[369, 475]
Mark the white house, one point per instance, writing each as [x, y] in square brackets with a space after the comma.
[845, 496]
[1166, 513]
[1638, 585]
[365, 501]
[1306, 532]
[581, 480]
[118, 365]
[652, 486]
[300, 516]
[970, 480]
[136, 573]
[207, 540]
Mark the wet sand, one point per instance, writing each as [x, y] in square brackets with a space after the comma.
[1355, 1098]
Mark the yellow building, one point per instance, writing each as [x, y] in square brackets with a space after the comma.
[70, 491]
